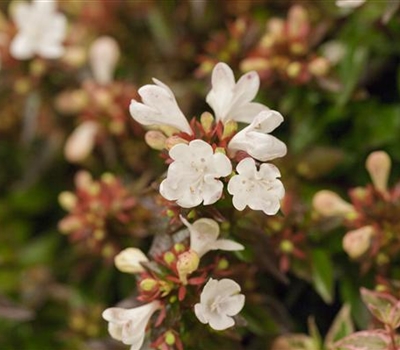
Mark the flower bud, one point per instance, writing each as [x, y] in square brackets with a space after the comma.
[148, 284]
[293, 70]
[67, 200]
[169, 338]
[254, 63]
[129, 260]
[188, 262]
[378, 165]
[81, 142]
[173, 141]
[357, 242]
[103, 56]
[230, 128]
[319, 66]
[207, 121]
[69, 224]
[328, 203]
[286, 246]
[155, 139]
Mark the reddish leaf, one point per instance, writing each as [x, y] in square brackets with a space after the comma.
[378, 339]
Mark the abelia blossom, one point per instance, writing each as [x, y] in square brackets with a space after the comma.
[231, 100]
[129, 260]
[41, 30]
[254, 138]
[159, 107]
[193, 175]
[204, 237]
[219, 301]
[129, 325]
[81, 142]
[258, 189]
[349, 3]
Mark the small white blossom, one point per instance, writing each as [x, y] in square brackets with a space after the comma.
[258, 189]
[159, 107]
[231, 100]
[41, 30]
[129, 325]
[103, 57]
[192, 176]
[254, 138]
[204, 237]
[349, 3]
[81, 142]
[219, 301]
[129, 260]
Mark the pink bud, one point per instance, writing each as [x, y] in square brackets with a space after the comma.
[81, 142]
[378, 165]
[103, 56]
[329, 203]
[357, 242]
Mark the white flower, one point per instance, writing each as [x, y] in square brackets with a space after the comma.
[129, 325]
[219, 300]
[349, 3]
[258, 189]
[192, 176]
[204, 237]
[41, 30]
[103, 56]
[231, 100]
[129, 260]
[159, 107]
[254, 138]
[81, 142]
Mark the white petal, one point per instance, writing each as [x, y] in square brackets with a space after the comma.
[247, 167]
[226, 286]
[50, 50]
[200, 148]
[221, 322]
[228, 245]
[200, 312]
[246, 88]
[247, 112]
[20, 13]
[209, 291]
[179, 151]
[22, 47]
[235, 304]
[222, 164]
[212, 191]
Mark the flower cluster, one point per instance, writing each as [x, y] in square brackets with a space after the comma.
[285, 51]
[100, 213]
[202, 155]
[173, 279]
[371, 217]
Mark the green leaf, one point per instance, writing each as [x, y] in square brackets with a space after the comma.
[322, 274]
[341, 327]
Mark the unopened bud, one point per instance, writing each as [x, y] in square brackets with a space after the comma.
[74, 56]
[276, 27]
[293, 70]
[169, 338]
[173, 141]
[148, 284]
[254, 63]
[378, 165]
[230, 128]
[220, 150]
[329, 203]
[103, 56]
[169, 257]
[179, 247]
[37, 68]
[67, 200]
[319, 66]
[286, 246]
[155, 139]
[83, 179]
[108, 178]
[81, 142]
[71, 102]
[223, 264]
[69, 224]
[298, 25]
[188, 262]
[129, 260]
[357, 242]
[207, 121]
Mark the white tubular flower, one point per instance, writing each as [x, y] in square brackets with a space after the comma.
[204, 237]
[159, 107]
[41, 30]
[81, 142]
[231, 100]
[258, 189]
[103, 57]
[349, 3]
[192, 176]
[129, 260]
[129, 325]
[219, 301]
[254, 138]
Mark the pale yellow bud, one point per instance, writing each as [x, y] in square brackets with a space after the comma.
[378, 165]
[207, 121]
[148, 284]
[129, 260]
[74, 56]
[319, 67]
[155, 139]
[230, 128]
[188, 262]
[293, 70]
[357, 242]
[329, 203]
[83, 179]
[69, 224]
[67, 200]
[254, 63]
